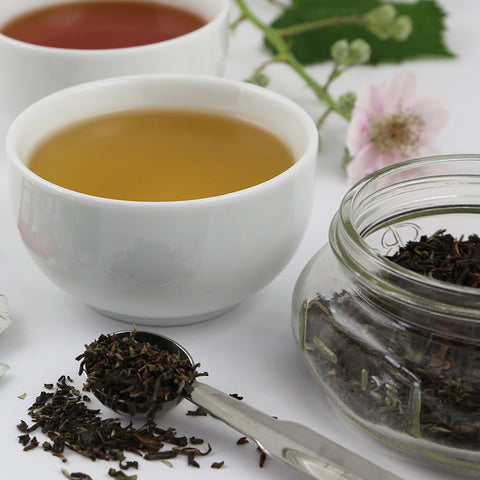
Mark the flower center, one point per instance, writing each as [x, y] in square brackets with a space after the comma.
[399, 132]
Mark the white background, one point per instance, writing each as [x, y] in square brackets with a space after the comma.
[250, 350]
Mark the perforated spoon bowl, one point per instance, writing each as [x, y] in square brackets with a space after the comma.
[292, 443]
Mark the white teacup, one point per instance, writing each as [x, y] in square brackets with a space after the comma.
[163, 263]
[29, 72]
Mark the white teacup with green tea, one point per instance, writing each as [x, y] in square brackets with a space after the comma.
[162, 199]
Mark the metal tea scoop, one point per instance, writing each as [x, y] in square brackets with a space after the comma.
[290, 442]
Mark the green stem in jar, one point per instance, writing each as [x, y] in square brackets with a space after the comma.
[416, 407]
[303, 325]
[330, 353]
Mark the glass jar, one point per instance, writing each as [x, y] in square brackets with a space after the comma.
[397, 352]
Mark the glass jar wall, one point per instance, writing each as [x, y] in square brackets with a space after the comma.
[397, 352]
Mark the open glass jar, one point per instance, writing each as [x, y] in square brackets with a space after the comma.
[398, 353]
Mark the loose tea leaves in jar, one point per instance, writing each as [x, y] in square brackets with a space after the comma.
[415, 383]
[387, 316]
[395, 373]
[443, 257]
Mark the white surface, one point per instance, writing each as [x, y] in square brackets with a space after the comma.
[250, 350]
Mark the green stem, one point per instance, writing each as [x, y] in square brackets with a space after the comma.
[236, 22]
[283, 53]
[333, 74]
[316, 24]
[322, 119]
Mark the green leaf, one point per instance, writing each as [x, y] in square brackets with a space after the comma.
[314, 46]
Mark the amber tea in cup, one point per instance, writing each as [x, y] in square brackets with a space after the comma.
[160, 155]
[102, 24]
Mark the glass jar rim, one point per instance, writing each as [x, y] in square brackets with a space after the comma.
[376, 272]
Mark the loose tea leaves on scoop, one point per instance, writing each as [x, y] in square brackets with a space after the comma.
[443, 257]
[135, 376]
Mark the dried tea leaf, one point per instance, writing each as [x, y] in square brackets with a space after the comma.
[75, 475]
[242, 441]
[120, 475]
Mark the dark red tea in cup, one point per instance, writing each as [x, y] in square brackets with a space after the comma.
[102, 24]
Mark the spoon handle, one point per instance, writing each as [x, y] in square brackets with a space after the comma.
[290, 442]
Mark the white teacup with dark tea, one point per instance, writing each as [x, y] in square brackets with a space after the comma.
[162, 199]
[48, 45]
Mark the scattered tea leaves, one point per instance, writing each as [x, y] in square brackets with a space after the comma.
[120, 475]
[199, 412]
[263, 457]
[166, 455]
[76, 475]
[242, 441]
[32, 443]
[63, 416]
[196, 441]
[236, 396]
[22, 426]
[24, 439]
[128, 465]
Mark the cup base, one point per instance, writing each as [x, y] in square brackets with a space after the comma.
[164, 321]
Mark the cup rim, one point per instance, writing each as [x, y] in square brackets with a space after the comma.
[44, 49]
[308, 125]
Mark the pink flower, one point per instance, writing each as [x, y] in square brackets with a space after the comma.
[391, 123]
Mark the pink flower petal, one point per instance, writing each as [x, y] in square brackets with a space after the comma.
[399, 92]
[358, 134]
[370, 101]
[434, 113]
[369, 159]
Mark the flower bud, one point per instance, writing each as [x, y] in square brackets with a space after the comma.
[383, 15]
[360, 51]
[402, 28]
[346, 102]
[340, 51]
[380, 20]
[260, 79]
